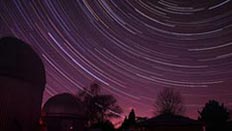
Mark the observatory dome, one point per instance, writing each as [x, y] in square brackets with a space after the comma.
[18, 60]
[63, 105]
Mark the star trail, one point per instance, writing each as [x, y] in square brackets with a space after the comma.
[134, 48]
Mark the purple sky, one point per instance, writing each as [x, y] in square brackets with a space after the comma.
[135, 48]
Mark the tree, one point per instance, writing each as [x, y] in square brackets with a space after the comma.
[104, 126]
[130, 121]
[214, 115]
[131, 118]
[125, 123]
[169, 101]
[98, 107]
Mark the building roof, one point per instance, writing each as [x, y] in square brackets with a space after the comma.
[170, 120]
[63, 105]
[18, 60]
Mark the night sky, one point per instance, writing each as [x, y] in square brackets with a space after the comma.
[134, 48]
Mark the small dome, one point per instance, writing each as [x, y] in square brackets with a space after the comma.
[65, 105]
[20, 61]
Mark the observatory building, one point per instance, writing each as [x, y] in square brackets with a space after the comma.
[63, 112]
[22, 80]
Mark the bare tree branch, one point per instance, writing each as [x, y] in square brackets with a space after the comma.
[169, 101]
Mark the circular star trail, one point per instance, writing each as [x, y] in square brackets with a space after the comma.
[134, 48]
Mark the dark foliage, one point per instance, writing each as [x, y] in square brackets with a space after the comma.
[98, 107]
[104, 126]
[214, 115]
[131, 118]
[130, 121]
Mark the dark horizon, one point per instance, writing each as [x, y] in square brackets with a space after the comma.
[134, 49]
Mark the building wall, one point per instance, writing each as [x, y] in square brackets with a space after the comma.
[20, 105]
[63, 124]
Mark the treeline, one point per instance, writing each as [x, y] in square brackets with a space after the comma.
[99, 109]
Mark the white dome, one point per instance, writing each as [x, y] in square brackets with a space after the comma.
[20, 61]
[65, 105]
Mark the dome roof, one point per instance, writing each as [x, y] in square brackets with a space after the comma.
[63, 105]
[19, 60]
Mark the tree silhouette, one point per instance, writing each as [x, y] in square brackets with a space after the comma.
[214, 115]
[130, 121]
[104, 126]
[131, 118]
[124, 124]
[169, 101]
[98, 107]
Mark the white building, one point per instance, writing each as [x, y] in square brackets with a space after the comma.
[22, 82]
